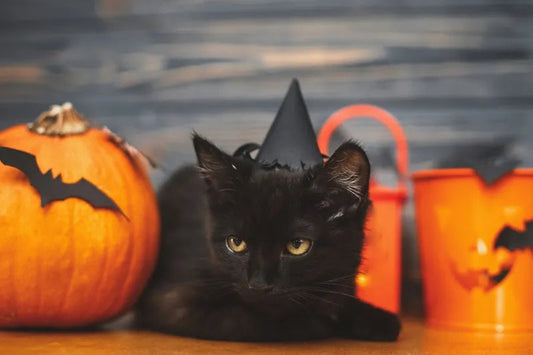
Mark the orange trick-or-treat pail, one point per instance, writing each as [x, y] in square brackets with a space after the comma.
[476, 258]
[379, 277]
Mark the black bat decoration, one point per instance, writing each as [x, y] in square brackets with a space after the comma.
[491, 161]
[245, 150]
[53, 189]
[511, 239]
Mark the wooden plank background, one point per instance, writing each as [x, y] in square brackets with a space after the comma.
[456, 73]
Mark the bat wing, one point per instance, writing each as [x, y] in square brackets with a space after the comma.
[87, 191]
[22, 161]
[53, 189]
[512, 239]
[528, 233]
[27, 164]
[245, 150]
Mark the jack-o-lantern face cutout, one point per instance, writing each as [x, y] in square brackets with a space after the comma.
[482, 278]
[490, 266]
[53, 189]
[485, 268]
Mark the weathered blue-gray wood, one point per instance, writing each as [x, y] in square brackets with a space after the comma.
[456, 73]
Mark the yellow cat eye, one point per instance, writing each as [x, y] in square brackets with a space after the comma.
[236, 244]
[298, 246]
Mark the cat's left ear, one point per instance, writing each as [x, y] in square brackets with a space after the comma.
[344, 179]
[220, 171]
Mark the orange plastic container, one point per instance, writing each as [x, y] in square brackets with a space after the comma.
[468, 282]
[379, 278]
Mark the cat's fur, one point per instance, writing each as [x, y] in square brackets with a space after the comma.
[202, 289]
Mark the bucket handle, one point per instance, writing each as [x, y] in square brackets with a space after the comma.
[375, 113]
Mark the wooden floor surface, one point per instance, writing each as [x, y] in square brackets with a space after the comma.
[414, 339]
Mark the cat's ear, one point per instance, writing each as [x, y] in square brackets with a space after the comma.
[219, 170]
[344, 179]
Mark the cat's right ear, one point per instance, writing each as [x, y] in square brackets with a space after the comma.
[219, 170]
[343, 181]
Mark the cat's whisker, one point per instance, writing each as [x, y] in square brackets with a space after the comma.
[336, 285]
[321, 299]
[350, 276]
[294, 299]
[298, 293]
[345, 289]
[329, 291]
[346, 282]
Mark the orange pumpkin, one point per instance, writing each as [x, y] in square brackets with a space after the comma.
[68, 263]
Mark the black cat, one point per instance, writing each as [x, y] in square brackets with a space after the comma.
[256, 254]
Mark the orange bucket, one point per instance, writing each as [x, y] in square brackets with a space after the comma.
[378, 281]
[474, 276]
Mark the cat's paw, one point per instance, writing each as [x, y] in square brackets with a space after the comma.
[384, 327]
[370, 323]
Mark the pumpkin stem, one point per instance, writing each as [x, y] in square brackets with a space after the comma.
[60, 120]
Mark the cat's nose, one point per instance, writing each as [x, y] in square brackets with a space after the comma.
[259, 284]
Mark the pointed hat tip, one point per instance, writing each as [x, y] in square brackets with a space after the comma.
[295, 84]
[294, 93]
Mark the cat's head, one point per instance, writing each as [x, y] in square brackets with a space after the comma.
[275, 231]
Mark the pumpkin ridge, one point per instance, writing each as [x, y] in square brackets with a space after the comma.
[72, 249]
[17, 282]
[132, 237]
[38, 290]
[99, 151]
[139, 239]
[14, 297]
[74, 218]
[149, 219]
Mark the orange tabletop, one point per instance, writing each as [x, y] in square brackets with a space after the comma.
[415, 339]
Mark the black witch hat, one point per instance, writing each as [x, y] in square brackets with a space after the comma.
[291, 140]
